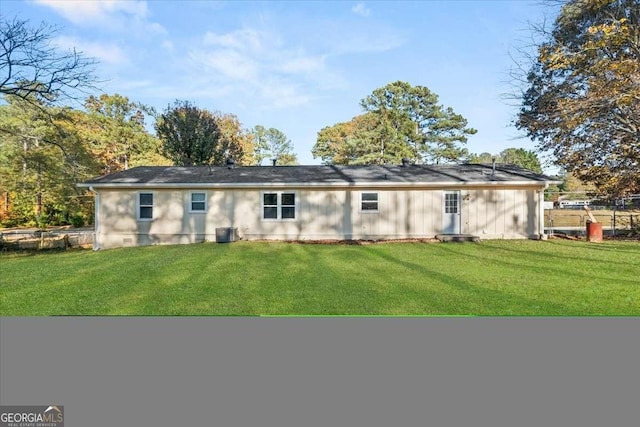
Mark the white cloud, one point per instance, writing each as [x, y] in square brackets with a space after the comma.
[108, 53]
[167, 45]
[303, 64]
[155, 28]
[118, 15]
[246, 39]
[360, 9]
[364, 41]
[258, 65]
[230, 63]
[81, 11]
[337, 37]
[284, 95]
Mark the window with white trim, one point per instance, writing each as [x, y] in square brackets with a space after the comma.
[198, 202]
[451, 203]
[145, 206]
[279, 206]
[369, 202]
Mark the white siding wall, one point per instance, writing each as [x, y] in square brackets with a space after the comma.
[321, 214]
[505, 213]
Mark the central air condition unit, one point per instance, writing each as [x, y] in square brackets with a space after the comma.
[227, 234]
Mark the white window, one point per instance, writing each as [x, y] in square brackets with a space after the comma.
[145, 206]
[451, 203]
[369, 202]
[198, 202]
[279, 206]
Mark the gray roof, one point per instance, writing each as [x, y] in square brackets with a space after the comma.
[264, 176]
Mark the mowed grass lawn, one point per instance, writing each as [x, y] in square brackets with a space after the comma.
[557, 278]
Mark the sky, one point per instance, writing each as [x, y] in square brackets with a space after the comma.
[300, 66]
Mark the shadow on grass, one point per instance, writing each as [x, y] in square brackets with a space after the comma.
[91, 283]
[279, 279]
[338, 284]
[322, 280]
[23, 253]
[493, 302]
[553, 255]
[555, 264]
[614, 246]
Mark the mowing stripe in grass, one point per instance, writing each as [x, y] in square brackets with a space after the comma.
[513, 278]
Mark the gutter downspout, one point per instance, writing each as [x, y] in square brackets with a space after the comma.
[96, 219]
[541, 233]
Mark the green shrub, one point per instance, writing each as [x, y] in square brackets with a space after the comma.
[78, 220]
[20, 214]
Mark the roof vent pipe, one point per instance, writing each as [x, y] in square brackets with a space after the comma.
[405, 162]
[274, 161]
[230, 163]
[493, 166]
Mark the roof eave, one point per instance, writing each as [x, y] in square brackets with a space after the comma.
[363, 184]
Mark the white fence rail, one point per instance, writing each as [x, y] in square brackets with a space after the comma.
[612, 223]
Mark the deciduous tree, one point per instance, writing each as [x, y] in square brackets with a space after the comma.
[192, 136]
[42, 157]
[582, 98]
[116, 132]
[357, 141]
[234, 141]
[189, 135]
[512, 156]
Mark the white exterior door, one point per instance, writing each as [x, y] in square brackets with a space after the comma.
[451, 217]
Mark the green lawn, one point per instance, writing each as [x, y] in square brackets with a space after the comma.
[257, 278]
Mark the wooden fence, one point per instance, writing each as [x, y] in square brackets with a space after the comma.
[37, 240]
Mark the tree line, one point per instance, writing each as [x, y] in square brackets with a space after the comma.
[45, 150]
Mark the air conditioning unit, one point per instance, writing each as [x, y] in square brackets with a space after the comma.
[227, 234]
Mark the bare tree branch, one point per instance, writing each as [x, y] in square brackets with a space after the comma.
[32, 68]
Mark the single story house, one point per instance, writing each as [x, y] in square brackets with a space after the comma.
[159, 204]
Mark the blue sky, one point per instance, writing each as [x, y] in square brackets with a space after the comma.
[297, 65]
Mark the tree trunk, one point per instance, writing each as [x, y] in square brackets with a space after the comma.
[39, 189]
